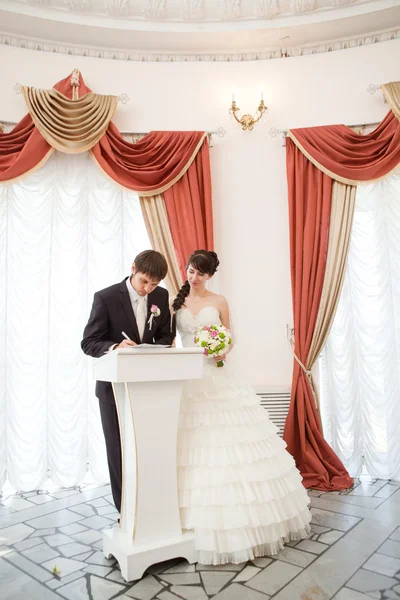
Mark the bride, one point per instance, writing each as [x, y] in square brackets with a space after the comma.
[239, 489]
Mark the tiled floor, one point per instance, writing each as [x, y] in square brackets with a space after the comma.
[50, 547]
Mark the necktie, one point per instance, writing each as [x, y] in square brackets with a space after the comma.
[141, 315]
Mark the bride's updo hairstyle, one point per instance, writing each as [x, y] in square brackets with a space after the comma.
[204, 261]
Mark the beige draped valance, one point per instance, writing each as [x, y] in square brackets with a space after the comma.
[391, 91]
[70, 126]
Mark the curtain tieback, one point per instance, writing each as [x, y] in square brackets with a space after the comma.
[307, 373]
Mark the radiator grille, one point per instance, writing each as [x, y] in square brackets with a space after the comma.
[277, 402]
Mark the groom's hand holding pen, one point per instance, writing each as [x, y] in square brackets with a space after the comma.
[126, 343]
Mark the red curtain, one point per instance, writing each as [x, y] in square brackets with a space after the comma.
[343, 154]
[176, 163]
[189, 209]
[153, 162]
[310, 192]
[349, 155]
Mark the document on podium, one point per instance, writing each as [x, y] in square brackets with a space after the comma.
[145, 347]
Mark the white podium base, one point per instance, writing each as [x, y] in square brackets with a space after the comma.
[134, 560]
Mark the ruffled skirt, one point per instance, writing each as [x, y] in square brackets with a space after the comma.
[239, 489]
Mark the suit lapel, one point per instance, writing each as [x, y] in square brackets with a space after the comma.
[146, 327]
[126, 303]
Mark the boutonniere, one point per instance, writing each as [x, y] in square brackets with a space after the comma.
[154, 312]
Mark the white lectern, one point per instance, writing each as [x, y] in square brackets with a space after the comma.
[147, 386]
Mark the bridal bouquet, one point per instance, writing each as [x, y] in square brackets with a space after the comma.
[214, 339]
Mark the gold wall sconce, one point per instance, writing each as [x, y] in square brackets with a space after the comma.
[247, 121]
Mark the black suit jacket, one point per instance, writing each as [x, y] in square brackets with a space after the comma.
[111, 314]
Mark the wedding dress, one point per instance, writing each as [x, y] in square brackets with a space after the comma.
[239, 489]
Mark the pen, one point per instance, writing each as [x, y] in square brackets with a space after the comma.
[126, 336]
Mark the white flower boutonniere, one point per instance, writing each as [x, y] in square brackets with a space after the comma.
[154, 312]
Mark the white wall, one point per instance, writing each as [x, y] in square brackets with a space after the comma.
[249, 182]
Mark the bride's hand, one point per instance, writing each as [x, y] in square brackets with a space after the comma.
[219, 358]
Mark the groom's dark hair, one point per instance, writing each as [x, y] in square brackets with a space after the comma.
[151, 263]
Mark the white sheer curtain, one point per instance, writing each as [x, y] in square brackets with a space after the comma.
[65, 232]
[360, 365]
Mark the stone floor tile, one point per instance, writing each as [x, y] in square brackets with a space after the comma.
[43, 532]
[109, 511]
[97, 570]
[396, 535]
[41, 499]
[386, 491]
[214, 582]
[116, 576]
[295, 557]
[57, 582]
[163, 566]
[168, 596]
[73, 529]
[70, 550]
[145, 589]
[4, 550]
[89, 536]
[28, 543]
[367, 489]
[390, 548]
[239, 592]
[17, 503]
[247, 573]
[333, 520]
[318, 528]
[303, 586]
[39, 554]
[65, 566]
[14, 585]
[29, 567]
[262, 561]
[348, 594]
[181, 578]
[15, 533]
[227, 567]
[55, 519]
[366, 501]
[310, 546]
[57, 539]
[330, 537]
[189, 592]
[101, 589]
[64, 493]
[385, 565]
[274, 577]
[182, 567]
[98, 558]
[366, 581]
[96, 522]
[84, 509]
[315, 493]
[342, 508]
[98, 502]
[84, 556]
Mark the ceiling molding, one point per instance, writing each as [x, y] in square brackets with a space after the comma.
[41, 45]
[175, 11]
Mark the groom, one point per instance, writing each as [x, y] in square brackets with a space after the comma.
[138, 307]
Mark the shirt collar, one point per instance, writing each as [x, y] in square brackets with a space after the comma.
[134, 296]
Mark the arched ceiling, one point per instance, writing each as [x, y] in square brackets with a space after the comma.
[201, 29]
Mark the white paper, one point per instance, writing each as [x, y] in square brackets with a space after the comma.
[148, 346]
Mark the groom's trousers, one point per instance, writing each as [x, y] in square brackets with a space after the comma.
[109, 420]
